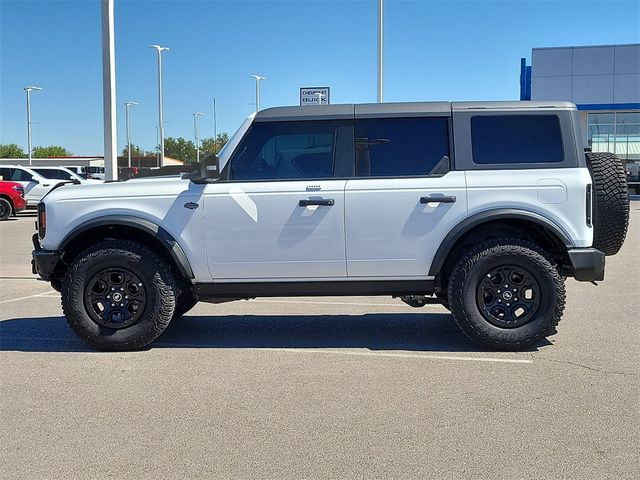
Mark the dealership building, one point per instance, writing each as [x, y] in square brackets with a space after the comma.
[603, 82]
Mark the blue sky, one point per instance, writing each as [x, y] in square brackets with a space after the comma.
[434, 50]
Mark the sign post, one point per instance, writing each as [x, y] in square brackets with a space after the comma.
[314, 96]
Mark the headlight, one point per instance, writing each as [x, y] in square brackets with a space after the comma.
[19, 189]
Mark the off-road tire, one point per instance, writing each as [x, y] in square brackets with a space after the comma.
[610, 201]
[471, 269]
[160, 288]
[185, 302]
[6, 209]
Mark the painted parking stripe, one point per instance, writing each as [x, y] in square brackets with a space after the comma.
[28, 297]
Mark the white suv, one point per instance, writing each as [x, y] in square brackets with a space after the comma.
[35, 185]
[482, 207]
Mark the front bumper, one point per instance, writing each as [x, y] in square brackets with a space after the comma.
[43, 262]
[588, 264]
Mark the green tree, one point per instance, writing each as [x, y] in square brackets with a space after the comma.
[137, 151]
[180, 149]
[50, 151]
[11, 150]
[208, 146]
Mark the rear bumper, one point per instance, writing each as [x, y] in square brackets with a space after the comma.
[43, 262]
[588, 264]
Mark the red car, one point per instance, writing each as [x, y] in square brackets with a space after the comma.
[11, 199]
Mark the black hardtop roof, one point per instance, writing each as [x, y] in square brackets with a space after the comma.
[400, 109]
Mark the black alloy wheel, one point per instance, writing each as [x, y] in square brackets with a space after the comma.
[115, 298]
[508, 296]
[5, 209]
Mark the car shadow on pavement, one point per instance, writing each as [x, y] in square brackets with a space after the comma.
[432, 332]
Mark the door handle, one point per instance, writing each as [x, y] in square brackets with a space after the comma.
[438, 199]
[325, 202]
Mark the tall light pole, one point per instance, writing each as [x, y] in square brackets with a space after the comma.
[109, 112]
[380, 49]
[160, 49]
[127, 105]
[258, 79]
[215, 129]
[29, 90]
[320, 96]
[195, 130]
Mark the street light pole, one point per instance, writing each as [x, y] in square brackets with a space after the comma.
[320, 96]
[258, 79]
[195, 128]
[160, 49]
[215, 129]
[126, 108]
[380, 49]
[29, 90]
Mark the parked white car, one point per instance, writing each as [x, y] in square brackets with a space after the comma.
[63, 173]
[35, 185]
[483, 207]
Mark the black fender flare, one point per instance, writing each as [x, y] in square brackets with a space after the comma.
[168, 242]
[484, 217]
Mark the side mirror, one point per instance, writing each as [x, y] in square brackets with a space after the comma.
[209, 170]
[210, 167]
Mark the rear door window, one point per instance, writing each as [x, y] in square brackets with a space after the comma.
[391, 147]
[509, 139]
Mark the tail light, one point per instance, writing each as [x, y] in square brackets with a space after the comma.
[19, 189]
[42, 220]
[589, 205]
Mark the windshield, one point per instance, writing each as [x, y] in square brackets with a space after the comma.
[233, 142]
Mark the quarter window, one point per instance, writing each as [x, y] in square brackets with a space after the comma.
[401, 146]
[505, 139]
[284, 151]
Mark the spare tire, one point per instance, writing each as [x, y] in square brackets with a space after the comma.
[610, 201]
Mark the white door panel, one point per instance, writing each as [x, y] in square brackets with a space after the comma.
[390, 233]
[258, 230]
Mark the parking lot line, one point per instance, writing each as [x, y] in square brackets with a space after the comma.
[397, 355]
[28, 297]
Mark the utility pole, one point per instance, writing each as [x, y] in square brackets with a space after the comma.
[29, 90]
[126, 108]
[109, 92]
[380, 50]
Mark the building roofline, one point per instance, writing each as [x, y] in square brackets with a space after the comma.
[589, 46]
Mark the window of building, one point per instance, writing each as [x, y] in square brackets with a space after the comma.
[401, 146]
[618, 133]
[285, 150]
[498, 139]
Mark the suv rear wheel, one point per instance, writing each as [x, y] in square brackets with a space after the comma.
[506, 294]
[118, 295]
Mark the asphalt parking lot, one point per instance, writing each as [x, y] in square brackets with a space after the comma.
[319, 388]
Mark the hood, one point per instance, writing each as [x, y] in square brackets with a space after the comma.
[148, 188]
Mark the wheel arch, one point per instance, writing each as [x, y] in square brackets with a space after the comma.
[551, 233]
[127, 226]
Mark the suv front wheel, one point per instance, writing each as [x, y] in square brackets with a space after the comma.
[118, 295]
[506, 294]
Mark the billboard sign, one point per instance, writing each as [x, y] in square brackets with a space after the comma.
[314, 96]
